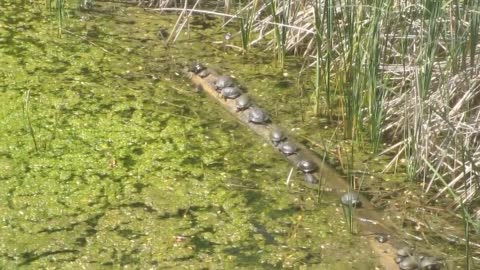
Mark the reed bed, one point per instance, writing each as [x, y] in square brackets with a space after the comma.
[405, 72]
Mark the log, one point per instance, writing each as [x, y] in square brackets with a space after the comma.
[369, 221]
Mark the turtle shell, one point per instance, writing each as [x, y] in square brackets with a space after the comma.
[288, 148]
[408, 263]
[277, 136]
[307, 166]
[204, 73]
[257, 116]
[429, 263]
[222, 82]
[231, 92]
[351, 198]
[197, 68]
[310, 178]
[381, 237]
[242, 102]
[404, 252]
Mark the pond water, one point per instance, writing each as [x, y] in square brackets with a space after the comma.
[109, 158]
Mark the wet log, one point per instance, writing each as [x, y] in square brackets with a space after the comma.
[368, 220]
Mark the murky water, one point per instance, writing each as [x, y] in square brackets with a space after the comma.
[108, 158]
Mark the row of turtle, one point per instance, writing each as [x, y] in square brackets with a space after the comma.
[227, 89]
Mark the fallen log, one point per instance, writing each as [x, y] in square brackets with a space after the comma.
[369, 221]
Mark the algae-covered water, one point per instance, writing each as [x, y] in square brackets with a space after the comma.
[109, 159]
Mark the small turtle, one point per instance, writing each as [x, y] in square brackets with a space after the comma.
[243, 102]
[409, 263]
[231, 92]
[307, 166]
[277, 136]
[351, 199]
[197, 68]
[257, 116]
[381, 237]
[222, 82]
[288, 148]
[429, 263]
[310, 178]
[403, 253]
[204, 73]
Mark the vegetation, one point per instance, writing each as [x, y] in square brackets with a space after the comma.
[405, 72]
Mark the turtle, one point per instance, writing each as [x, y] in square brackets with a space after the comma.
[381, 237]
[351, 198]
[307, 166]
[288, 148]
[222, 82]
[204, 73]
[429, 263]
[230, 92]
[243, 102]
[310, 178]
[277, 136]
[409, 263]
[403, 253]
[257, 116]
[197, 68]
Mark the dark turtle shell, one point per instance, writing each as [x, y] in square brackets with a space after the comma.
[204, 73]
[351, 198]
[242, 102]
[257, 116]
[231, 92]
[307, 166]
[277, 136]
[222, 82]
[288, 148]
[310, 178]
[404, 252]
[197, 68]
[409, 263]
[381, 237]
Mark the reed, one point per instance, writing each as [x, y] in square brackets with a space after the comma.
[280, 19]
[60, 14]
[466, 217]
[26, 113]
[318, 56]
[247, 18]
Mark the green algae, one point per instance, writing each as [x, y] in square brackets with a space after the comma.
[132, 168]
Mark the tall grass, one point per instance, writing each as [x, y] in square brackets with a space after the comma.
[60, 13]
[318, 54]
[466, 217]
[280, 18]
[247, 19]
